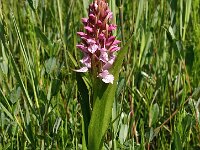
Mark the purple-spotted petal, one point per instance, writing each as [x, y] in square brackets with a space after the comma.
[103, 57]
[99, 23]
[81, 47]
[101, 36]
[106, 76]
[92, 17]
[95, 6]
[86, 61]
[112, 27]
[103, 50]
[114, 48]
[90, 41]
[110, 62]
[81, 34]
[110, 14]
[89, 29]
[111, 38]
[116, 42]
[83, 69]
[92, 48]
[84, 21]
[110, 41]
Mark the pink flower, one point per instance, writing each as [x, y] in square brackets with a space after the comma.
[106, 76]
[98, 43]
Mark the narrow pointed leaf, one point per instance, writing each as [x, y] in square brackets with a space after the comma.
[102, 109]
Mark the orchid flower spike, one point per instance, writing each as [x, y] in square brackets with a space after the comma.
[98, 44]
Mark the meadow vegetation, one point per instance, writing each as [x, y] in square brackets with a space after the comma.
[157, 101]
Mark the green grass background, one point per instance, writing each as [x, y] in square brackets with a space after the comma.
[157, 101]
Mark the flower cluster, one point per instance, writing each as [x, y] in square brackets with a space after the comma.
[98, 43]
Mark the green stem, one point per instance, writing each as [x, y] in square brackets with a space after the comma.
[121, 22]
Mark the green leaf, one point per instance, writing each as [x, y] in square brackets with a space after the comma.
[123, 133]
[15, 95]
[56, 84]
[84, 101]
[57, 125]
[42, 36]
[4, 62]
[2, 32]
[26, 58]
[7, 146]
[189, 58]
[6, 111]
[85, 6]
[187, 123]
[72, 59]
[84, 145]
[103, 102]
[177, 142]
[4, 99]
[172, 33]
[120, 86]
[30, 2]
[51, 65]
[153, 114]
[17, 74]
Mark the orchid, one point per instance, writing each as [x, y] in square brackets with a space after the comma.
[98, 44]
